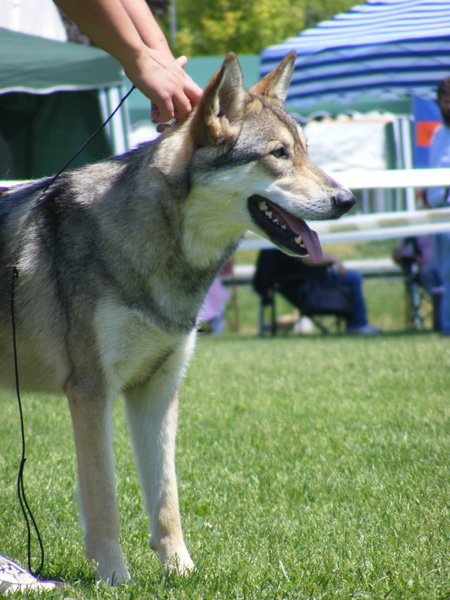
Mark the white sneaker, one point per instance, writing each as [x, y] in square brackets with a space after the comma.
[14, 578]
[304, 325]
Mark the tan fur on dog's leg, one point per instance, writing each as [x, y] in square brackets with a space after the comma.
[92, 426]
[153, 414]
[153, 424]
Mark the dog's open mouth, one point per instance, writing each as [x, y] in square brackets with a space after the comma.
[283, 229]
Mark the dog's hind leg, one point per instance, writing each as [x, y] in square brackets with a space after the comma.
[92, 424]
[152, 413]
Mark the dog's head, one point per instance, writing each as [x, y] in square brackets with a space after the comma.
[250, 164]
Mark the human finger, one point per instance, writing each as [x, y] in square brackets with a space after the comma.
[182, 61]
[194, 93]
[192, 90]
[182, 106]
[164, 109]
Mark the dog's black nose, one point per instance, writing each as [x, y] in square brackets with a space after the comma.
[344, 200]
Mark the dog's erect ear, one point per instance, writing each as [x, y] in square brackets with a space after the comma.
[219, 114]
[276, 83]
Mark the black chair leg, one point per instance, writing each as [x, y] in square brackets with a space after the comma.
[273, 317]
[414, 316]
[261, 317]
[318, 324]
[436, 300]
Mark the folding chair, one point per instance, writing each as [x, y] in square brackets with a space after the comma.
[420, 305]
[279, 274]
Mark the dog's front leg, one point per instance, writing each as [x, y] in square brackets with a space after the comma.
[92, 424]
[152, 413]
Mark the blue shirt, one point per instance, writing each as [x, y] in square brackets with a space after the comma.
[439, 158]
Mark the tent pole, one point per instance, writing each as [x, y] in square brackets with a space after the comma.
[116, 128]
[405, 128]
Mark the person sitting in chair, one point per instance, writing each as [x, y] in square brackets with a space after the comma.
[315, 288]
[415, 256]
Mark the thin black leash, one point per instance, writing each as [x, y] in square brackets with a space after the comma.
[26, 510]
[86, 144]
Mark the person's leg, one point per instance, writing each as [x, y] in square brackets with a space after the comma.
[353, 280]
[431, 281]
[441, 245]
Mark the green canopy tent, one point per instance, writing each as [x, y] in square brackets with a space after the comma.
[53, 96]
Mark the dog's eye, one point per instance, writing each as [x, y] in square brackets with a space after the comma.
[279, 152]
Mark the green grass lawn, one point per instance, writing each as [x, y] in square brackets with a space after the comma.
[312, 467]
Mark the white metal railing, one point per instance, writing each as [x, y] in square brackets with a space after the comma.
[385, 191]
[374, 226]
[393, 179]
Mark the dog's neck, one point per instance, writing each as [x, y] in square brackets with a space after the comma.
[208, 233]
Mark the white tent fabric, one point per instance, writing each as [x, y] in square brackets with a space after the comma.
[35, 17]
[348, 143]
[388, 48]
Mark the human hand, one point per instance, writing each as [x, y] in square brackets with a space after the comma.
[162, 79]
[339, 267]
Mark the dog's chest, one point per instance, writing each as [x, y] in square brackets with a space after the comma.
[132, 350]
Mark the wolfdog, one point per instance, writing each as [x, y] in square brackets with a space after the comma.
[114, 261]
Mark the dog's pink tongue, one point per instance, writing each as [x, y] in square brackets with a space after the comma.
[309, 237]
[312, 243]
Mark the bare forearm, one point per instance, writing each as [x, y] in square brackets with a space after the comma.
[146, 24]
[107, 23]
[127, 30]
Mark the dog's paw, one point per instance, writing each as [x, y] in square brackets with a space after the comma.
[114, 575]
[112, 570]
[173, 559]
[179, 564]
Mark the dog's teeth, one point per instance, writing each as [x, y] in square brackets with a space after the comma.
[299, 240]
[269, 214]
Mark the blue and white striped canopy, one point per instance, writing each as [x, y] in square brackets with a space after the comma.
[384, 48]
